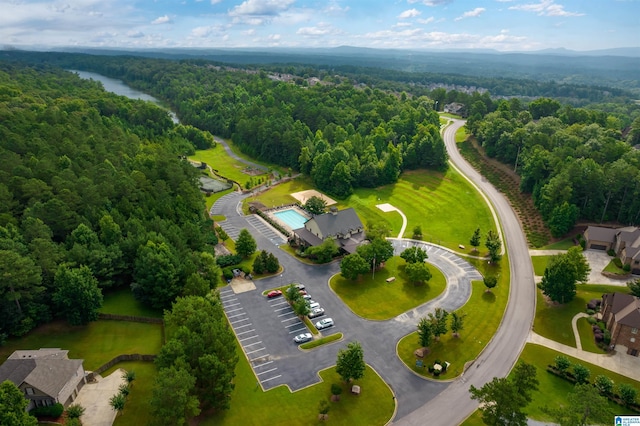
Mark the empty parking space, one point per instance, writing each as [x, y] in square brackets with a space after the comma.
[267, 230]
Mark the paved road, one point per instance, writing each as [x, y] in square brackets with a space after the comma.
[453, 405]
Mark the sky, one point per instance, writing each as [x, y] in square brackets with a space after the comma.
[505, 25]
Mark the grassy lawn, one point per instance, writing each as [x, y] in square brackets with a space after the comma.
[428, 198]
[461, 134]
[288, 249]
[612, 268]
[375, 298]
[553, 390]
[226, 166]
[586, 337]
[321, 341]
[540, 264]
[278, 406]
[136, 410]
[554, 321]
[96, 343]
[121, 302]
[484, 312]
[565, 244]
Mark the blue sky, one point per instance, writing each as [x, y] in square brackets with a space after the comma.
[504, 25]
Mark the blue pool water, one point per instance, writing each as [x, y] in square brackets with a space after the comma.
[292, 218]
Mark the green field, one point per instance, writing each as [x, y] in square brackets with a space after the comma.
[136, 410]
[374, 298]
[121, 302]
[540, 264]
[484, 312]
[226, 166]
[565, 244]
[96, 343]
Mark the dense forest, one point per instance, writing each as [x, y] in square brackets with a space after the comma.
[93, 195]
[576, 163]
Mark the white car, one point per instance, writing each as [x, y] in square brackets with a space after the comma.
[324, 323]
[304, 337]
[317, 312]
[313, 305]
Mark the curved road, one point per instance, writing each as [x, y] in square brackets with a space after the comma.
[453, 405]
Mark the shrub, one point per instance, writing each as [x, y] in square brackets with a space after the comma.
[604, 384]
[611, 252]
[562, 363]
[245, 269]
[75, 411]
[607, 337]
[581, 373]
[626, 267]
[124, 389]
[590, 312]
[628, 393]
[227, 273]
[336, 389]
[228, 260]
[592, 320]
[54, 410]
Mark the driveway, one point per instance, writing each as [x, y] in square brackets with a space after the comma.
[597, 259]
[94, 397]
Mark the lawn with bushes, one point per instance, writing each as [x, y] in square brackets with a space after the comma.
[374, 298]
[553, 320]
[226, 166]
[587, 339]
[136, 410]
[484, 311]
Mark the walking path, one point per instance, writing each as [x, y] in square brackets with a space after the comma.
[386, 207]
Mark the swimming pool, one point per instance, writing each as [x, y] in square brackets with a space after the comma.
[291, 218]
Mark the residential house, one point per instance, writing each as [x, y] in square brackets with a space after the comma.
[46, 376]
[456, 108]
[624, 242]
[344, 226]
[621, 314]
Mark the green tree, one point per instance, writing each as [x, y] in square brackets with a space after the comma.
[457, 322]
[577, 259]
[562, 363]
[77, 294]
[417, 232]
[352, 266]
[350, 363]
[245, 244]
[272, 264]
[259, 264]
[628, 394]
[315, 205]
[503, 399]
[414, 255]
[475, 240]
[493, 244]
[376, 252]
[585, 406]
[301, 307]
[13, 406]
[324, 252]
[438, 320]
[323, 408]
[563, 218]
[490, 281]
[581, 373]
[20, 277]
[604, 384]
[172, 401]
[425, 332]
[156, 275]
[418, 273]
[634, 287]
[559, 279]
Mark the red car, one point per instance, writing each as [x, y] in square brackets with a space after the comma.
[274, 293]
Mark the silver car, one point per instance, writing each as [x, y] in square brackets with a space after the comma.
[317, 312]
[304, 337]
[324, 323]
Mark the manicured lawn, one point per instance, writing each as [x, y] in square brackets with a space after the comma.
[279, 406]
[553, 390]
[288, 249]
[375, 298]
[586, 337]
[540, 264]
[322, 341]
[428, 198]
[484, 312]
[136, 410]
[612, 268]
[461, 134]
[228, 167]
[121, 302]
[96, 343]
[565, 244]
[554, 321]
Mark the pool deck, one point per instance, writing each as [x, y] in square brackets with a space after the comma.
[271, 214]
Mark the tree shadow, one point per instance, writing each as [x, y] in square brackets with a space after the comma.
[489, 297]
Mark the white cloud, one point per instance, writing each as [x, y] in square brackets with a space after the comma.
[545, 8]
[426, 21]
[430, 2]
[135, 34]
[261, 7]
[471, 13]
[161, 20]
[322, 29]
[402, 24]
[410, 13]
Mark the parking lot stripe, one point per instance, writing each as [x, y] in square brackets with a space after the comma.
[268, 371]
[281, 309]
[229, 295]
[240, 320]
[288, 313]
[290, 319]
[257, 350]
[251, 344]
[233, 316]
[262, 365]
[247, 338]
[245, 332]
[280, 303]
[271, 378]
[242, 326]
[233, 310]
[259, 357]
[232, 304]
[292, 325]
[297, 330]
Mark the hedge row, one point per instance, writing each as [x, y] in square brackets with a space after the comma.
[273, 223]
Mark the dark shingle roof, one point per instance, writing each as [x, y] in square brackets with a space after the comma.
[599, 233]
[340, 222]
[625, 307]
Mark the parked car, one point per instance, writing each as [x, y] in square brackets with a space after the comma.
[274, 293]
[299, 286]
[306, 296]
[304, 337]
[313, 305]
[324, 323]
[302, 292]
[317, 312]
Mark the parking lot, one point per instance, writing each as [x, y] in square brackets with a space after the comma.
[265, 329]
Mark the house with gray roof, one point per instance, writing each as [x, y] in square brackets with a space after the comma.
[46, 376]
[343, 226]
[624, 242]
[621, 314]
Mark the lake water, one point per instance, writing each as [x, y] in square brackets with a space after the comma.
[119, 88]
